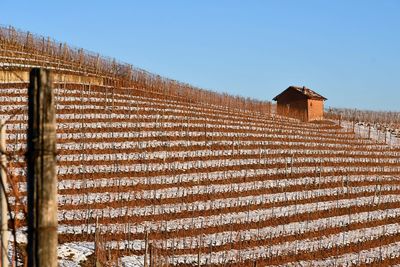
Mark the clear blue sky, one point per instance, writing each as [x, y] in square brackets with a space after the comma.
[349, 51]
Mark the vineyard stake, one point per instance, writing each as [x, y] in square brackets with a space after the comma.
[146, 248]
[369, 131]
[385, 135]
[41, 179]
[151, 255]
[3, 205]
[291, 165]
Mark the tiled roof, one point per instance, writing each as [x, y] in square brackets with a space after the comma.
[305, 91]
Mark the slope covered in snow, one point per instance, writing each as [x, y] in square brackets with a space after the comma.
[196, 183]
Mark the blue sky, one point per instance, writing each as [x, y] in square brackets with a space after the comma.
[349, 51]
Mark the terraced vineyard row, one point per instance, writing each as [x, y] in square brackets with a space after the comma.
[202, 184]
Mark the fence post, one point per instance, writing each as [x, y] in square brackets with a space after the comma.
[41, 163]
[3, 205]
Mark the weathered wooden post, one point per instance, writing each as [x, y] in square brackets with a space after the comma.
[96, 243]
[385, 135]
[198, 257]
[369, 131]
[42, 180]
[3, 201]
[146, 248]
[151, 255]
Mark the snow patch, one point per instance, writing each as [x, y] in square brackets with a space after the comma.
[72, 254]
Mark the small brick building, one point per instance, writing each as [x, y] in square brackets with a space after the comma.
[301, 103]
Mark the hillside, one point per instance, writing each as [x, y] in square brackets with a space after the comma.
[377, 125]
[206, 184]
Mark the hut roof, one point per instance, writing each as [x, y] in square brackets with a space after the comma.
[307, 92]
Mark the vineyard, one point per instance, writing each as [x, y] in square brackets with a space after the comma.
[377, 125]
[196, 183]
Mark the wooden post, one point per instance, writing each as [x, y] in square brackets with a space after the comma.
[146, 248]
[151, 255]
[41, 167]
[97, 243]
[385, 135]
[3, 204]
[198, 256]
[129, 236]
[369, 131]
[291, 165]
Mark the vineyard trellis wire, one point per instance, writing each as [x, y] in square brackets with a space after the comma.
[381, 126]
[64, 58]
[191, 173]
[209, 185]
[7, 182]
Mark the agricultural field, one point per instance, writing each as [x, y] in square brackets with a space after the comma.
[197, 184]
[153, 172]
[381, 126]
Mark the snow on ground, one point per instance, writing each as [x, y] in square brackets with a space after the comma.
[364, 130]
[137, 118]
[353, 259]
[132, 261]
[72, 254]
[306, 245]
